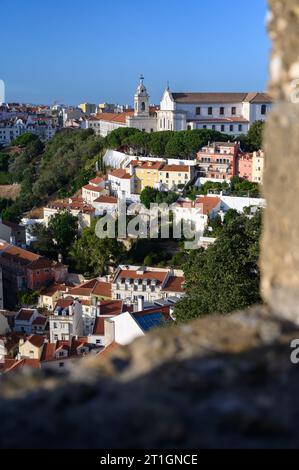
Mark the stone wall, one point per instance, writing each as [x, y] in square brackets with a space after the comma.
[280, 247]
[216, 382]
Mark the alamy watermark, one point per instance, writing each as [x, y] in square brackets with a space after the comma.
[159, 221]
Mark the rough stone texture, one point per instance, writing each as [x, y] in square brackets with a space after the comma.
[217, 382]
[280, 248]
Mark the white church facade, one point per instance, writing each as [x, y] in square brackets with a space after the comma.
[230, 113]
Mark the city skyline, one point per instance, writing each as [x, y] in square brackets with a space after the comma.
[60, 62]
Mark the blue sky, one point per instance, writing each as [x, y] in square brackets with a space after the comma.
[74, 51]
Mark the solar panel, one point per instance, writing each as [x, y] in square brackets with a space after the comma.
[149, 321]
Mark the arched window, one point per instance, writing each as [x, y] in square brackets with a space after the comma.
[143, 106]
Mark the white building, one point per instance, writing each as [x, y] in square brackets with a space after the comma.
[196, 213]
[230, 113]
[105, 205]
[143, 117]
[66, 320]
[131, 283]
[94, 189]
[121, 182]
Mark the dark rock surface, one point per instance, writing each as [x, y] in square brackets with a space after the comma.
[217, 382]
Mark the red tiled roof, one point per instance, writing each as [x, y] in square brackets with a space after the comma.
[111, 307]
[36, 340]
[106, 200]
[18, 254]
[51, 290]
[24, 314]
[149, 165]
[84, 289]
[130, 274]
[102, 289]
[64, 303]
[40, 320]
[26, 362]
[180, 168]
[108, 349]
[48, 352]
[175, 284]
[121, 174]
[97, 180]
[208, 203]
[95, 189]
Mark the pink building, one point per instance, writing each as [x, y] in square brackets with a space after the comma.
[219, 160]
[245, 166]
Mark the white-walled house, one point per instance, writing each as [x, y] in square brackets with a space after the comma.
[126, 327]
[196, 213]
[105, 205]
[121, 182]
[94, 189]
[66, 320]
[230, 113]
[238, 203]
[131, 283]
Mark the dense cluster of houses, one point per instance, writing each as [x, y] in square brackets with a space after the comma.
[73, 316]
[71, 321]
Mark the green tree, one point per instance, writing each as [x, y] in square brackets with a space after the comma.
[147, 196]
[92, 256]
[226, 276]
[57, 238]
[27, 298]
[63, 228]
[24, 139]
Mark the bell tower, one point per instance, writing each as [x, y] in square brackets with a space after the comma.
[141, 100]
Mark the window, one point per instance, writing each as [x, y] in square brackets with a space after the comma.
[197, 110]
[222, 111]
[213, 127]
[204, 126]
[234, 110]
[210, 111]
[61, 364]
[188, 127]
[222, 128]
[231, 128]
[240, 127]
[143, 106]
[263, 109]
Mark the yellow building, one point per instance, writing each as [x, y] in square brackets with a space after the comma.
[146, 174]
[175, 176]
[49, 295]
[258, 166]
[32, 348]
[88, 108]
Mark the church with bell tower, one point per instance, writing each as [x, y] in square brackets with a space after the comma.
[145, 116]
[141, 100]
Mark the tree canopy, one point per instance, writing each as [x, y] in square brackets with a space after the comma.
[226, 276]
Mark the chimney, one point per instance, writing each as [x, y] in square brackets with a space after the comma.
[131, 169]
[140, 303]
